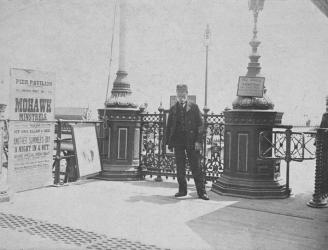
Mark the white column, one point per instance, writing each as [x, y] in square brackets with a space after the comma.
[122, 38]
[121, 91]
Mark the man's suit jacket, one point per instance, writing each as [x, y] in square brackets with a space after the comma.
[193, 124]
[324, 121]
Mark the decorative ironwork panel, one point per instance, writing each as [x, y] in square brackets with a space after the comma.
[150, 118]
[309, 144]
[272, 145]
[288, 145]
[215, 119]
[149, 144]
[155, 159]
[214, 147]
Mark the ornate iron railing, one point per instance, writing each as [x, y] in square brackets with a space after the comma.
[213, 145]
[284, 144]
[156, 159]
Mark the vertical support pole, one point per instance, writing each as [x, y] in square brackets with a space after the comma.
[164, 133]
[141, 170]
[68, 167]
[206, 69]
[207, 36]
[288, 157]
[318, 200]
[160, 139]
[57, 157]
[221, 142]
[204, 143]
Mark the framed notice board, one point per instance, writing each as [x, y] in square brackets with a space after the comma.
[250, 86]
[86, 149]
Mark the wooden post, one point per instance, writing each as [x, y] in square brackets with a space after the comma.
[57, 157]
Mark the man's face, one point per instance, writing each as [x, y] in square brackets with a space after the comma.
[182, 96]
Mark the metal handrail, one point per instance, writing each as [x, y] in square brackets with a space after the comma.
[284, 150]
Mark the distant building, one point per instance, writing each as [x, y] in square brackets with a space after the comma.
[308, 123]
[72, 113]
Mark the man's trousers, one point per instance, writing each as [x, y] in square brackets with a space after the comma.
[194, 162]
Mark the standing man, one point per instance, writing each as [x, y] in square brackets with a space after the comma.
[184, 135]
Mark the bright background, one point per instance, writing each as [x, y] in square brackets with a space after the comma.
[165, 47]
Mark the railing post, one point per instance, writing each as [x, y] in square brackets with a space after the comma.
[160, 140]
[164, 136]
[206, 109]
[221, 141]
[141, 171]
[57, 157]
[288, 157]
[318, 200]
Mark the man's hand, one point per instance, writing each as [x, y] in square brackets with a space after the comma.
[198, 146]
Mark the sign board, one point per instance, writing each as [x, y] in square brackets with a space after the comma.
[250, 86]
[31, 129]
[173, 99]
[86, 149]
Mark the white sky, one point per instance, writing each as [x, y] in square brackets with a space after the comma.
[165, 47]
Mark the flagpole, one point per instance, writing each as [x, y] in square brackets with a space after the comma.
[205, 109]
[206, 42]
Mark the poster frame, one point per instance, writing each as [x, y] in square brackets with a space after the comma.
[75, 147]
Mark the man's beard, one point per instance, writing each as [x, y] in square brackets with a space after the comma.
[183, 100]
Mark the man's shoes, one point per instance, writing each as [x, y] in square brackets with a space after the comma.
[204, 197]
[180, 194]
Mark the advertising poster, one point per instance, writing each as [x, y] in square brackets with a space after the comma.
[31, 129]
[86, 148]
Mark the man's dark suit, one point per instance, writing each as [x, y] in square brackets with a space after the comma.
[324, 120]
[184, 128]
